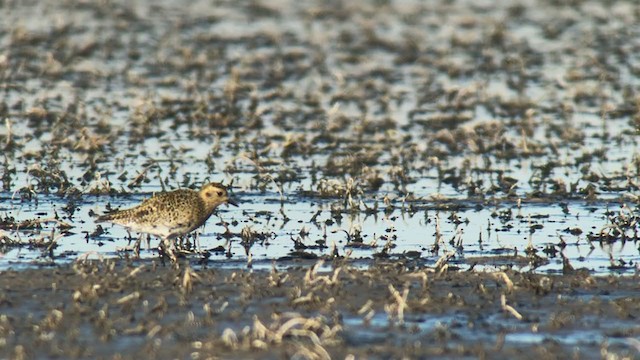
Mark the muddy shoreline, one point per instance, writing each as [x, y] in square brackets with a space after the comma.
[128, 309]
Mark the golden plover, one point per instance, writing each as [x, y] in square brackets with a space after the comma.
[169, 215]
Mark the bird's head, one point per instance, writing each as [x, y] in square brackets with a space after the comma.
[214, 194]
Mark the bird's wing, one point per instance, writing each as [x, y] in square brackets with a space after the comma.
[179, 224]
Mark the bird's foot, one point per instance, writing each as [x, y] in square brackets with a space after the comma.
[167, 249]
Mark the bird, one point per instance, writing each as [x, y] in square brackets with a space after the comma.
[169, 215]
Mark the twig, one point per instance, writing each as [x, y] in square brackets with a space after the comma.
[509, 308]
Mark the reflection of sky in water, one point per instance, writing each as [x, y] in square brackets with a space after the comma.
[413, 232]
[406, 232]
[514, 331]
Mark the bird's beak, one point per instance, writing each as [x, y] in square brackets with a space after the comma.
[231, 202]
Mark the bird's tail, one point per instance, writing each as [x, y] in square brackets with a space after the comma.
[105, 217]
[112, 216]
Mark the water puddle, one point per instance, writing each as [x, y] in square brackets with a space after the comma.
[475, 234]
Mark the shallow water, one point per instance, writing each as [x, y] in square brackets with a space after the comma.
[436, 113]
[471, 232]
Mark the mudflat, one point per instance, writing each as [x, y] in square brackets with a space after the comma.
[306, 310]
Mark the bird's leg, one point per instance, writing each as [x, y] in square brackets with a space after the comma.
[167, 248]
[161, 251]
[196, 242]
[172, 253]
[190, 243]
[136, 247]
[129, 238]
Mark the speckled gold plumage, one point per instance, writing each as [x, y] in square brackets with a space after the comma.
[172, 214]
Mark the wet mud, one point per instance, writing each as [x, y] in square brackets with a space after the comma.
[128, 310]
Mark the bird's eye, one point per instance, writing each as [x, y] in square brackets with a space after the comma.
[219, 193]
